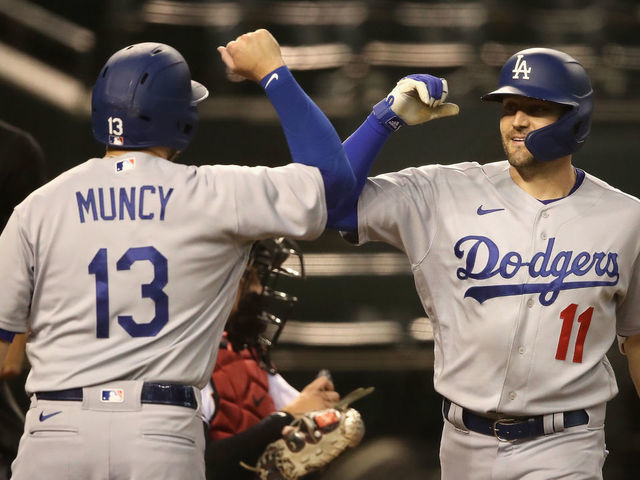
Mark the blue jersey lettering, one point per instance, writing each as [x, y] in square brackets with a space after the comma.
[88, 203]
[122, 204]
[559, 266]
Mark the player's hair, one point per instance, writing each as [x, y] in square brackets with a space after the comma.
[554, 76]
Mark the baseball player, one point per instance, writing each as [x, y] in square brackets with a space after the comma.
[248, 403]
[527, 268]
[128, 265]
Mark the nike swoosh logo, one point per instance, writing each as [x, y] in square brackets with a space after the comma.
[482, 211]
[44, 417]
[273, 77]
[257, 401]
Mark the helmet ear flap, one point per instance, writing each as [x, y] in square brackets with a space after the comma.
[577, 127]
[558, 139]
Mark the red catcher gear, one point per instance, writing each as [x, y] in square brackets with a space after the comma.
[241, 393]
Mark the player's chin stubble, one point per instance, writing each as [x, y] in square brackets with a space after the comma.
[519, 157]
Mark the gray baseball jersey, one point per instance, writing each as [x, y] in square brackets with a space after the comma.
[525, 297]
[127, 267]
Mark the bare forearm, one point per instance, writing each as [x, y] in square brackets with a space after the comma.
[4, 348]
[14, 359]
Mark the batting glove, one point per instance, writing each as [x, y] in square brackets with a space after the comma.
[416, 99]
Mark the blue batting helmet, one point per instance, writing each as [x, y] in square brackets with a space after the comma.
[554, 76]
[144, 97]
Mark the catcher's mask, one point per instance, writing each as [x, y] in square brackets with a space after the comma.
[262, 309]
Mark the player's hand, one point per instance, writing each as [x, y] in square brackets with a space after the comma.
[419, 98]
[252, 55]
[318, 395]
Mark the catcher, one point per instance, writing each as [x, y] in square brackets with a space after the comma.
[247, 403]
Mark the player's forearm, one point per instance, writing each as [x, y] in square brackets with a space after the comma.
[362, 148]
[632, 350]
[223, 456]
[311, 137]
[6, 337]
[4, 348]
[14, 359]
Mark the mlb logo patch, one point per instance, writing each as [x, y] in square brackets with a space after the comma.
[116, 140]
[124, 165]
[112, 395]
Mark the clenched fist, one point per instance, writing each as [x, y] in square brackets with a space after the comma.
[419, 98]
[252, 55]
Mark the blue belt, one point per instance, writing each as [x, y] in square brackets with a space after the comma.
[510, 429]
[158, 393]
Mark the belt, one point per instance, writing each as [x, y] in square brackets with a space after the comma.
[510, 429]
[157, 393]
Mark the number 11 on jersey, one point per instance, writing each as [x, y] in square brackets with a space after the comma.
[568, 316]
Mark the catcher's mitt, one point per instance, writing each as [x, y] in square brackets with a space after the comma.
[316, 438]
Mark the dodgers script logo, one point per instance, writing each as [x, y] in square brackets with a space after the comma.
[521, 68]
[559, 266]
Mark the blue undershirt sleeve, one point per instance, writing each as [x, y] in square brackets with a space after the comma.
[6, 335]
[362, 148]
[310, 135]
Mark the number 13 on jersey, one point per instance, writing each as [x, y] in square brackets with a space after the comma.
[153, 290]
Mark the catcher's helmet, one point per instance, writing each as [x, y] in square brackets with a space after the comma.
[144, 97]
[554, 76]
[260, 317]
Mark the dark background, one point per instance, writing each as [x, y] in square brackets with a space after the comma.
[464, 41]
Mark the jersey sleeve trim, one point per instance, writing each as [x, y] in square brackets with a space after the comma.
[6, 335]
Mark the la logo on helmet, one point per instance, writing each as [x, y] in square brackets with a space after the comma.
[521, 68]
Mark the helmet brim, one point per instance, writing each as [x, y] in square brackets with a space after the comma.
[538, 93]
[198, 92]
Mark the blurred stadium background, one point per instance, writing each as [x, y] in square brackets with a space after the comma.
[359, 315]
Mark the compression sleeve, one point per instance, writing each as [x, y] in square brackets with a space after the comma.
[223, 456]
[310, 135]
[362, 148]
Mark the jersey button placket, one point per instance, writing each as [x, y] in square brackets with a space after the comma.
[544, 214]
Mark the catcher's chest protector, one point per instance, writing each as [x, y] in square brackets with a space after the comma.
[242, 391]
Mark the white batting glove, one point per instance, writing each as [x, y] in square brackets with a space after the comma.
[416, 99]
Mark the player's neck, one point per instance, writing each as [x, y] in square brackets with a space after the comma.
[546, 180]
[162, 152]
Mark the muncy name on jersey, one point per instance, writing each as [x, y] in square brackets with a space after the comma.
[145, 202]
[559, 266]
